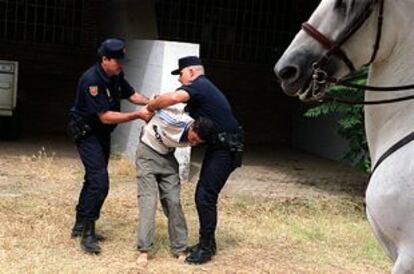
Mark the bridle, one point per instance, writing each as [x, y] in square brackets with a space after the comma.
[320, 78]
[334, 48]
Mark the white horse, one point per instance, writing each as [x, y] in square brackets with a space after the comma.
[354, 25]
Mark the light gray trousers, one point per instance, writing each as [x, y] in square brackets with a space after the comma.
[158, 176]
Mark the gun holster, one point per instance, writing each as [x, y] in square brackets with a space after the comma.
[235, 143]
[78, 129]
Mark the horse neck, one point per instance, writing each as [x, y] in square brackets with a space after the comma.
[386, 124]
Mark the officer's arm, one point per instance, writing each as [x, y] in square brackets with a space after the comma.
[168, 99]
[114, 117]
[138, 98]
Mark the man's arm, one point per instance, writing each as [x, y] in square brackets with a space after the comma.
[115, 117]
[138, 99]
[168, 99]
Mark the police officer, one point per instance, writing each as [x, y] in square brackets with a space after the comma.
[93, 117]
[223, 152]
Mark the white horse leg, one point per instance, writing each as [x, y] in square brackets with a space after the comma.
[405, 262]
[380, 209]
[389, 247]
[390, 208]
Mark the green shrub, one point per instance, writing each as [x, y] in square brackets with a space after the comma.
[351, 123]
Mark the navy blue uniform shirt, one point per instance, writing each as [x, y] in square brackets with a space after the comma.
[206, 100]
[98, 93]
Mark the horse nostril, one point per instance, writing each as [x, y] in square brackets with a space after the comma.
[287, 73]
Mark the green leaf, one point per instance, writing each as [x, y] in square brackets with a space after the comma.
[351, 123]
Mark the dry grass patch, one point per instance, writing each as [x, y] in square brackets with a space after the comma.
[254, 235]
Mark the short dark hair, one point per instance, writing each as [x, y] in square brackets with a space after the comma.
[204, 127]
[100, 55]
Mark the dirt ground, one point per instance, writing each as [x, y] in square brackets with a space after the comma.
[40, 181]
[283, 173]
[274, 172]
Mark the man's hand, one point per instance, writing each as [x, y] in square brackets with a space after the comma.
[145, 114]
[154, 96]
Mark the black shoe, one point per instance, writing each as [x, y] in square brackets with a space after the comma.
[77, 232]
[203, 252]
[98, 237]
[200, 255]
[193, 248]
[88, 241]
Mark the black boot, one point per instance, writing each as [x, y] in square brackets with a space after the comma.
[202, 253]
[213, 246]
[78, 228]
[88, 241]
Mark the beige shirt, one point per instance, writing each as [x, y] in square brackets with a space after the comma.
[165, 130]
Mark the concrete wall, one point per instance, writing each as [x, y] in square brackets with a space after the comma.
[317, 136]
[257, 100]
[149, 72]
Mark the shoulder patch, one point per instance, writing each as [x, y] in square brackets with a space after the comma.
[93, 90]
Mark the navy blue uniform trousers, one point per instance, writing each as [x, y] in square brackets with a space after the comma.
[94, 152]
[216, 168]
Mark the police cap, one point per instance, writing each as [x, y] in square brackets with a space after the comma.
[113, 48]
[186, 62]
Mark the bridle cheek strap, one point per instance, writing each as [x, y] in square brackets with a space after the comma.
[333, 49]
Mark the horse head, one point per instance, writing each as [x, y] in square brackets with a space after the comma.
[340, 35]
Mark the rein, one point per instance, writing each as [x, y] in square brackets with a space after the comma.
[321, 80]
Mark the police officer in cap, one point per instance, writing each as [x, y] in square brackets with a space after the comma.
[93, 117]
[223, 152]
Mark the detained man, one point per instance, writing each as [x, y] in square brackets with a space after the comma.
[158, 172]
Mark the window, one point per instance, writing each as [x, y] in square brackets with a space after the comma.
[55, 22]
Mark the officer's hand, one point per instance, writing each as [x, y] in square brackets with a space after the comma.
[154, 96]
[145, 114]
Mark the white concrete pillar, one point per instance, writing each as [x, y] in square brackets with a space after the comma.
[150, 66]
[149, 71]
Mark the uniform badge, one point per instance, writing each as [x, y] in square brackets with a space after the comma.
[93, 90]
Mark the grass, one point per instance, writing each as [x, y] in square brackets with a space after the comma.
[298, 235]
